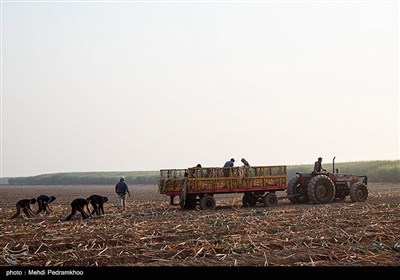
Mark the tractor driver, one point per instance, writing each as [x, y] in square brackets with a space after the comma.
[318, 166]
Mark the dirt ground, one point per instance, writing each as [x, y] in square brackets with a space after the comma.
[153, 233]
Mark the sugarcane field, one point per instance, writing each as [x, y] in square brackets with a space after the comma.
[155, 231]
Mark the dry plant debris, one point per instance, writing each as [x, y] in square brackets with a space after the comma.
[153, 233]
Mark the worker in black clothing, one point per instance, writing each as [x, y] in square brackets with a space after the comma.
[97, 201]
[43, 203]
[80, 204]
[25, 205]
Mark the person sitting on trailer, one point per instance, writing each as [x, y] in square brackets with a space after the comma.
[198, 172]
[201, 172]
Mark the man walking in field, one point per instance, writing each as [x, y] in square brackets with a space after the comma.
[121, 188]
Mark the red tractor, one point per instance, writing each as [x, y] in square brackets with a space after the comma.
[325, 187]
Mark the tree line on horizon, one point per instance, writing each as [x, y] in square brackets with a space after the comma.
[377, 171]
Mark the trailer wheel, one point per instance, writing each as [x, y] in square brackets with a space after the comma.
[207, 202]
[297, 192]
[358, 192]
[321, 189]
[249, 199]
[270, 199]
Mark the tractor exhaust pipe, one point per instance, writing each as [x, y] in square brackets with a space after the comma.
[333, 164]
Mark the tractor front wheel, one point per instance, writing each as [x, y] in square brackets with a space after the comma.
[358, 192]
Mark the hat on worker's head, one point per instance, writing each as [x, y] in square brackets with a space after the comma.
[122, 178]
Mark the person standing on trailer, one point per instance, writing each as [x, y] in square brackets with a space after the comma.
[246, 166]
[227, 166]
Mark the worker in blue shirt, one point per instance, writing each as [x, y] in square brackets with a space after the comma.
[227, 166]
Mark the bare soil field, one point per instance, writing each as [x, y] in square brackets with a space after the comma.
[153, 233]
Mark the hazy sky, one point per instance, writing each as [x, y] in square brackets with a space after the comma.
[105, 86]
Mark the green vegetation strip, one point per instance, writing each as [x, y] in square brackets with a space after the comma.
[377, 171]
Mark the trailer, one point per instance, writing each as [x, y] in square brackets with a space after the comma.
[198, 185]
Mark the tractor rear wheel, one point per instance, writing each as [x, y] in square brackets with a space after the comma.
[358, 192]
[270, 199]
[297, 194]
[321, 189]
